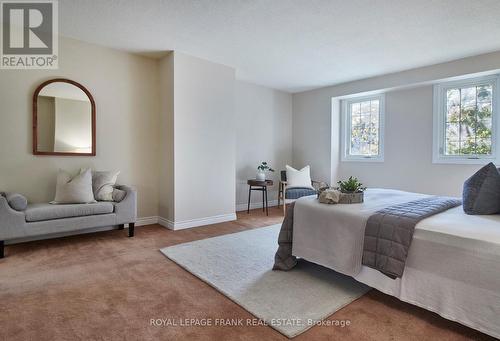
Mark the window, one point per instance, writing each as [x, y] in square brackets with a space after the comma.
[363, 129]
[465, 121]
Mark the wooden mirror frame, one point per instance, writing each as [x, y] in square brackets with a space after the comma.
[35, 121]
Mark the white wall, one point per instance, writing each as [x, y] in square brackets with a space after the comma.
[204, 138]
[312, 134]
[197, 176]
[166, 202]
[217, 131]
[125, 88]
[263, 133]
[408, 150]
[408, 104]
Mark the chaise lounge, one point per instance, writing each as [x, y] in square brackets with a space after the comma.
[21, 220]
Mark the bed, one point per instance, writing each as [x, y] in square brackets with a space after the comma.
[453, 263]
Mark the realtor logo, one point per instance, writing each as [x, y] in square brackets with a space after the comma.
[29, 35]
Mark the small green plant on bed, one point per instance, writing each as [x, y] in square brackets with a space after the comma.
[351, 186]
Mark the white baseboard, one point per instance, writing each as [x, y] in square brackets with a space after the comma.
[166, 223]
[146, 221]
[253, 205]
[185, 224]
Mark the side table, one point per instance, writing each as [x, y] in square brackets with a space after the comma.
[258, 185]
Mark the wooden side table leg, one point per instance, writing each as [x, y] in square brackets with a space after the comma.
[263, 202]
[249, 195]
[267, 203]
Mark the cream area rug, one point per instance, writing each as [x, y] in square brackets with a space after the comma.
[239, 266]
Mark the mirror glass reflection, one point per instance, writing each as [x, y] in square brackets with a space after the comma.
[64, 119]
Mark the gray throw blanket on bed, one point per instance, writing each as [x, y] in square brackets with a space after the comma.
[284, 260]
[388, 234]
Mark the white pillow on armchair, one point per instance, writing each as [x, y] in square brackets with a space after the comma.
[298, 178]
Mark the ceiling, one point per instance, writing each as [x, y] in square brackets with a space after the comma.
[293, 45]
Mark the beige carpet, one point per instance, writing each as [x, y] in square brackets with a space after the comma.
[105, 286]
[239, 266]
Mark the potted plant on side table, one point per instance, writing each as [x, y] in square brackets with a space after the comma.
[261, 171]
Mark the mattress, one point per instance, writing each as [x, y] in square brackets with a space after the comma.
[453, 269]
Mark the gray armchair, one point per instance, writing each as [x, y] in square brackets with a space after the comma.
[294, 193]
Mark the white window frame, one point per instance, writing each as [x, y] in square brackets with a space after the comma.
[346, 122]
[439, 121]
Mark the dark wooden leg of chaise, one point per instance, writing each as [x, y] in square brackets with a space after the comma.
[2, 247]
[121, 226]
[131, 229]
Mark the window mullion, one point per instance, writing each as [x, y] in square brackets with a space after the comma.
[460, 120]
[476, 123]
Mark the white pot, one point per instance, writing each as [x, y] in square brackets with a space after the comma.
[261, 176]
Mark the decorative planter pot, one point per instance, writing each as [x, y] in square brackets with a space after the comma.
[351, 198]
[261, 176]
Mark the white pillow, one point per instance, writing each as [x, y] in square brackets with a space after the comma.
[74, 190]
[103, 184]
[298, 178]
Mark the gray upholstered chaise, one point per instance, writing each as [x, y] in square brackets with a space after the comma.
[46, 219]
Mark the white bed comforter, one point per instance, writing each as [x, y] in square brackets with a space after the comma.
[453, 266]
[333, 234]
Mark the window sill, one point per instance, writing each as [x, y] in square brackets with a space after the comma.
[362, 159]
[463, 161]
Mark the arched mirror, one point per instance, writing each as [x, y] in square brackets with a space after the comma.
[64, 119]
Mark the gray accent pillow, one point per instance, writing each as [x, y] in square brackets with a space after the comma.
[74, 190]
[119, 195]
[103, 184]
[481, 193]
[17, 201]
